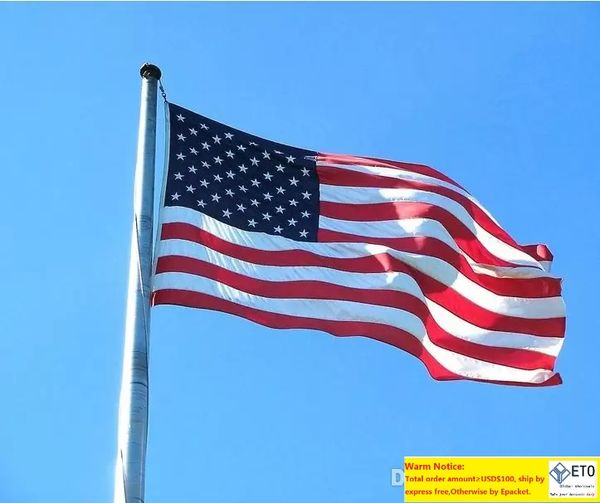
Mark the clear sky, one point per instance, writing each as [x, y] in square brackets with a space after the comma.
[501, 97]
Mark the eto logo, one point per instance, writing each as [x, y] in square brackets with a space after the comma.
[572, 479]
[559, 473]
[583, 470]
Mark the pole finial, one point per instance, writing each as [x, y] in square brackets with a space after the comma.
[149, 70]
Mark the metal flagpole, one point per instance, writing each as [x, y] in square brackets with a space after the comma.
[133, 404]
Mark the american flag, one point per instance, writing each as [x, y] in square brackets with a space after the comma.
[354, 246]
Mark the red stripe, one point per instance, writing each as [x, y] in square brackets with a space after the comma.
[398, 210]
[346, 178]
[383, 333]
[381, 262]
[518, 358]
[541, 252]
[420, 169]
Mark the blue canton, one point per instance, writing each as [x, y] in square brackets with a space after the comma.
[240, 179]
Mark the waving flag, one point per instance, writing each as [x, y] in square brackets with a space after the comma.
[354, 246]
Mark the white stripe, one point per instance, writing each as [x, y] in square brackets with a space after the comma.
[512, 272]
[392, 281]
[336, 310]
[400, 174]
[369, 195]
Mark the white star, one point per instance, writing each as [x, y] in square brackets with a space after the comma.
[229, 192]
[254, 161]
[218, 160]
[201, 203]
[216, 197]
[289, 158]
[204, 183]
[293, 181]
[306, 195]
[217, 178]
[192, 169]
[180, 118]
[278, 229]
[241, 208]
[280, 190]
[203, 126]
[303, 233]
[305, 214]
[252, 222]
[242, 168]
[178, 176]
[229, 136]
[193, 151]
[193, 132]
[175, 197]
[241, 147]
[268, 176]
[255, 182]
[217, 139]
[253, 144]
[280, 167]
[291, 221]
[226, 213]
[267, 196]
[305, 172]
[243, 188]
[254, 202]
[279, 209]
[180, 157]
[266, 216]
[266, 155]
[230, 174]
[190, 188]
[205, 146]
[230, 154]
[180, 137]
[278, 152]
[205, 164]
[293, 202]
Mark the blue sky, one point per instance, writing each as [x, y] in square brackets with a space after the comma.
[502, 97]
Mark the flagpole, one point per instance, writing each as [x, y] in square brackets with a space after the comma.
[133, 403]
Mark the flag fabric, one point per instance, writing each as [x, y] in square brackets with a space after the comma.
[353, 246]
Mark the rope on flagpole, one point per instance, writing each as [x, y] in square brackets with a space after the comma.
[162, 90]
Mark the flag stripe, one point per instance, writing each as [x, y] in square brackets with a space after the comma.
[399, 302]
[340, 310]
[404, 175]
[347, 287]
[197, 243]
[470, 239]
[351, 160]
[501, 313]
[433, 247]
[425, 254]
[389, 335]
[538, 251]
[348, 178]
